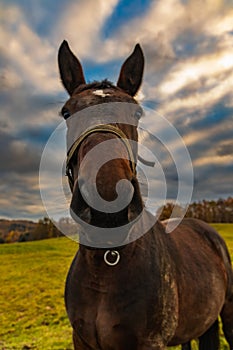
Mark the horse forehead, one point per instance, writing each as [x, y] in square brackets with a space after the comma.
[98, 93]
[110, 93]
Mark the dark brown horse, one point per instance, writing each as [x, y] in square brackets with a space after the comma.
[159, 289]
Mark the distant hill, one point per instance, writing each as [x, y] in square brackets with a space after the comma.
[219, 211]
[20, 226]
[25, 230]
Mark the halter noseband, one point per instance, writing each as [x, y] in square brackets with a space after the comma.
[100, 128]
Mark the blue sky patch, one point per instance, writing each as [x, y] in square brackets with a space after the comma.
[124, 12]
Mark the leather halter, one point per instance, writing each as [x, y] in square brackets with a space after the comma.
[100, 128]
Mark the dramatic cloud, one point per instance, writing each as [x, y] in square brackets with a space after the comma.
[20, 196]
[188, 48]
[81, 24]
[29, 59]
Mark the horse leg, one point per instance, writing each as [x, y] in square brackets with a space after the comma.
[227, 321]
[186, 346]
[78, 343]
[210, 339]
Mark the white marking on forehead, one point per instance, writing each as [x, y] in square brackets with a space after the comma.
[100, 93]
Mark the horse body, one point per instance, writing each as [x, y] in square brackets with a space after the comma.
[203, 271]
[125, 298]
[138, 304]
[166, 288]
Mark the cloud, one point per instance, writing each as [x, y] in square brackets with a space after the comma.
[212, 181]
[199, 72]
[81, 24]
[22, 110]
[30, 102]
[20, 196]
[225, 149]
[20, 158]
[221, 23]
[188, 78]
[29, 59]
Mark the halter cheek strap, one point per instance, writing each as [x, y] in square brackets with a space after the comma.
[100, 128]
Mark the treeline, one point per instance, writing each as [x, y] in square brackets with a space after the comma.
[220, 211]
[23, 231]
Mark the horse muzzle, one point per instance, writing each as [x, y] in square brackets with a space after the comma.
[93, 213]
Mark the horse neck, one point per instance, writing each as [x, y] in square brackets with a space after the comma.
[141, 244]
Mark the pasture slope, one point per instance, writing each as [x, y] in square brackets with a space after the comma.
[32, 312]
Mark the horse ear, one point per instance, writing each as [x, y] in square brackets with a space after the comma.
[70, 68]
[131, 72]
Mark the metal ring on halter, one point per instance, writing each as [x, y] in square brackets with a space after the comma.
[113, 253]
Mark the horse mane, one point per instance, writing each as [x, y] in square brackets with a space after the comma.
[104, 84]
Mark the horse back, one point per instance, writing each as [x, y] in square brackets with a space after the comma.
[204, 275]
[199, 235]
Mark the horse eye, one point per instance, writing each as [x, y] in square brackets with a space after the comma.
[65, 113]
[69, 172]
[138, 113]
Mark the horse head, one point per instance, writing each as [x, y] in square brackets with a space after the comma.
[102, 159]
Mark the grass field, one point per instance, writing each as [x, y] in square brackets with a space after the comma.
[32, 311]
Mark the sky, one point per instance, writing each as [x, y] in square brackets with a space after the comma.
[188, 78]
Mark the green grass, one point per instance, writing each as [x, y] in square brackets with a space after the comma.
[32, 311]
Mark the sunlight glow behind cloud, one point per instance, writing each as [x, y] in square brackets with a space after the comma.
[192, 71]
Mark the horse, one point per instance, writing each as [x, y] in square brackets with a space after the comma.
[132, 290]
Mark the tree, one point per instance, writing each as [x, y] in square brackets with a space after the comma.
[209, 211]
[12, 236]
